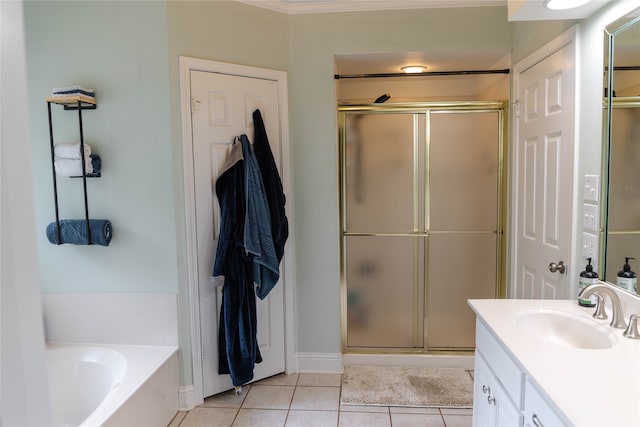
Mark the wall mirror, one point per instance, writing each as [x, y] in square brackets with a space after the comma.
[621, 154]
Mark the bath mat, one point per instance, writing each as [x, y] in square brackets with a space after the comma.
[406, 386]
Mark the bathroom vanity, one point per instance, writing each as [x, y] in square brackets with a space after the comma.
[550, 363]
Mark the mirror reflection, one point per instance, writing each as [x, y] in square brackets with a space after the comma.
[621, 171]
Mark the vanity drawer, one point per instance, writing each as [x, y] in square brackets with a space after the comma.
[537, 410]
[503, 367]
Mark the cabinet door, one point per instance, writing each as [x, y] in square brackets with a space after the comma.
[491, 404]
[507, 415]
[537, 411]
[484, 413]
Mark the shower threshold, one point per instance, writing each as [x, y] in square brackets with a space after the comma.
[464, 361]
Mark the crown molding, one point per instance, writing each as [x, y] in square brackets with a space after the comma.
[293, 7]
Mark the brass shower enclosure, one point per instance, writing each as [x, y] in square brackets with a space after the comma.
[422, 211]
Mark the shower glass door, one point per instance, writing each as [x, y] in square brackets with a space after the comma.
[381, 188]
[420, 202]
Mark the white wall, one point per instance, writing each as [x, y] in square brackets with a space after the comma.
[25, 391]
[589, 109]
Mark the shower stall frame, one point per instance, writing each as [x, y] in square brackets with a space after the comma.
[501, 107]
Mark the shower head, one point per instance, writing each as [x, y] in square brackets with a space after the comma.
[382, 98]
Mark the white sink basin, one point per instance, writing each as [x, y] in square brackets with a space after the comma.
[568, 329]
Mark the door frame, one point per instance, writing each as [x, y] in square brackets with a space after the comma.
[568, 37]
[188, 64]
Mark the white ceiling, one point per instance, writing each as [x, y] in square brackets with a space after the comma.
[534, 10]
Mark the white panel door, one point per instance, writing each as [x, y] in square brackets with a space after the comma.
[222, 108]
[544, 171]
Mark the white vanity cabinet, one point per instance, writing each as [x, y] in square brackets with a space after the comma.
[537, 412]
[542, 372]
[491, 405]
[502, 394]
[497, 384]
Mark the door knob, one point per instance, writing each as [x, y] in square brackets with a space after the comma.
[559, 267]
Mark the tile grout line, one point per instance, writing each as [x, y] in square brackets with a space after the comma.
[297, 385]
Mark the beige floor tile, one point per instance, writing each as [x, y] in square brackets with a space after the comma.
[175, 422]
[260, 418]
[412, 420]
[364, 408]
[280, 379]
[363, 419]
[457, 420]
[209, 417]
[269, 397]
[312, 419]
[228, 399]
[316, 398]
[312, 379]
[411, 410]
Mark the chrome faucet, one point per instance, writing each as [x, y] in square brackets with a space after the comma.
[617, 320]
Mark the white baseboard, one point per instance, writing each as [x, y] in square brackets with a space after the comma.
[187, 398]
[319, 362]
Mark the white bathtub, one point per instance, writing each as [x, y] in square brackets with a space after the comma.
[112, 385]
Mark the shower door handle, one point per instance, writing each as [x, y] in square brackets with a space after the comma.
[559, 267]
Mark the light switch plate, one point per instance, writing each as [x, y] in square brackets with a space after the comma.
[589, 245]
[591, 188]
[591, 217]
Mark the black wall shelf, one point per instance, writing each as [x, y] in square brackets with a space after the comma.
[79, 103]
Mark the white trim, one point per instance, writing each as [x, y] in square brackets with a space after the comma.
[186, 65]
[555, 45]
[187, 398]
[319, 362]
[331, 6]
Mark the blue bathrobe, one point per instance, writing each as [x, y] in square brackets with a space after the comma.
[257, 225]
[237, 333]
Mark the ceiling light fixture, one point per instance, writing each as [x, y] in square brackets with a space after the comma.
[564, 4]
[414, 69]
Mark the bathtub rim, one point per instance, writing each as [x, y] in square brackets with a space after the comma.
[143, 361]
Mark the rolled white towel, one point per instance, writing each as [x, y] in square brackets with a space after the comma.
[72, 167]
[71, 151]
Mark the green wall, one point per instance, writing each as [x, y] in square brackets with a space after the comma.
[120, 50]
[315, 39]
[128, 52]
[223, 31]
[528, 36]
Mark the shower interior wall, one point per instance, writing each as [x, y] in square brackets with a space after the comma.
[490, 87]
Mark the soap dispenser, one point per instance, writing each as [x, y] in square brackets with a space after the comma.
[587, 277]
[626, 278]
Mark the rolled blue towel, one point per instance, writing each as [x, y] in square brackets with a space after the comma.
[74, 231]
[96, 163]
